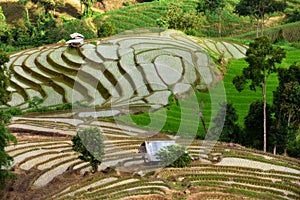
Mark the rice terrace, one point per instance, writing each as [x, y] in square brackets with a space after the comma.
[157, 100]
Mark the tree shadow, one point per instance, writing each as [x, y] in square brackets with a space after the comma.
[69, 9]
[142, 1]
[12, 11]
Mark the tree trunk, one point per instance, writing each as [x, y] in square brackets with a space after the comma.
[284, 151]
[262, 25]
[202, 118]
[219, 24]
[265, 114]
[289, 123]
[257, 27]
[274, 149]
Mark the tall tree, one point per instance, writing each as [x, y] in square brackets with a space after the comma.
[89, 142]
[286, 103]
[5, 136]
[261, 57]
[258, 10]
[213, 6]
[253, 127]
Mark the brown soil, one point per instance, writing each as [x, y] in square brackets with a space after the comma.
[21, 188]
[26, 136]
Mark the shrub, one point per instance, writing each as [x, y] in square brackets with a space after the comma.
[106, 29]
[293, 148]
[89, 142]
[35, 102]
[76, 25]
[174, 156]
[176, 18]
[14, 111]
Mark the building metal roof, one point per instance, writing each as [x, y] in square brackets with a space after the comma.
[76, 35]
[75, 41]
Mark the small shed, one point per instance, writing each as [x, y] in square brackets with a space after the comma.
[148, 149]
[76, 41]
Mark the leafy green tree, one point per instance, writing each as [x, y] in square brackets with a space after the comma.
[5, 136]
[89, 142]
[254, 129]
[261, 57]
[286, 104]
[177, 18]
[230, 130]
[258, 9]
[174, 156]
[106, 29]
[35, 102]
[213, 6]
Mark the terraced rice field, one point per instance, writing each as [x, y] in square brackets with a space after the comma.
[121, 70]
[239, 173]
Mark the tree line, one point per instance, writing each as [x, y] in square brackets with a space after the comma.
[267, 127]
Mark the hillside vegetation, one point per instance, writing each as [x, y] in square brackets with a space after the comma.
[147, 71]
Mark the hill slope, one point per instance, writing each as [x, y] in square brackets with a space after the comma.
[47, 168]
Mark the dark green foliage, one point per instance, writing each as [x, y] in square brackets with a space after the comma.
[286, 104]
[294, 16]
[89, 142]
[211, 5]
[14, 111]
[258, 9]
[5, 136]
[261, 57]
[177, 18]
[35, 102]
[4, 29]
[4, 77]
[254, 127]
[76, 25]
[106, 29]
[231, 132]
[174, 156]
[293, 149]
[46, 31]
